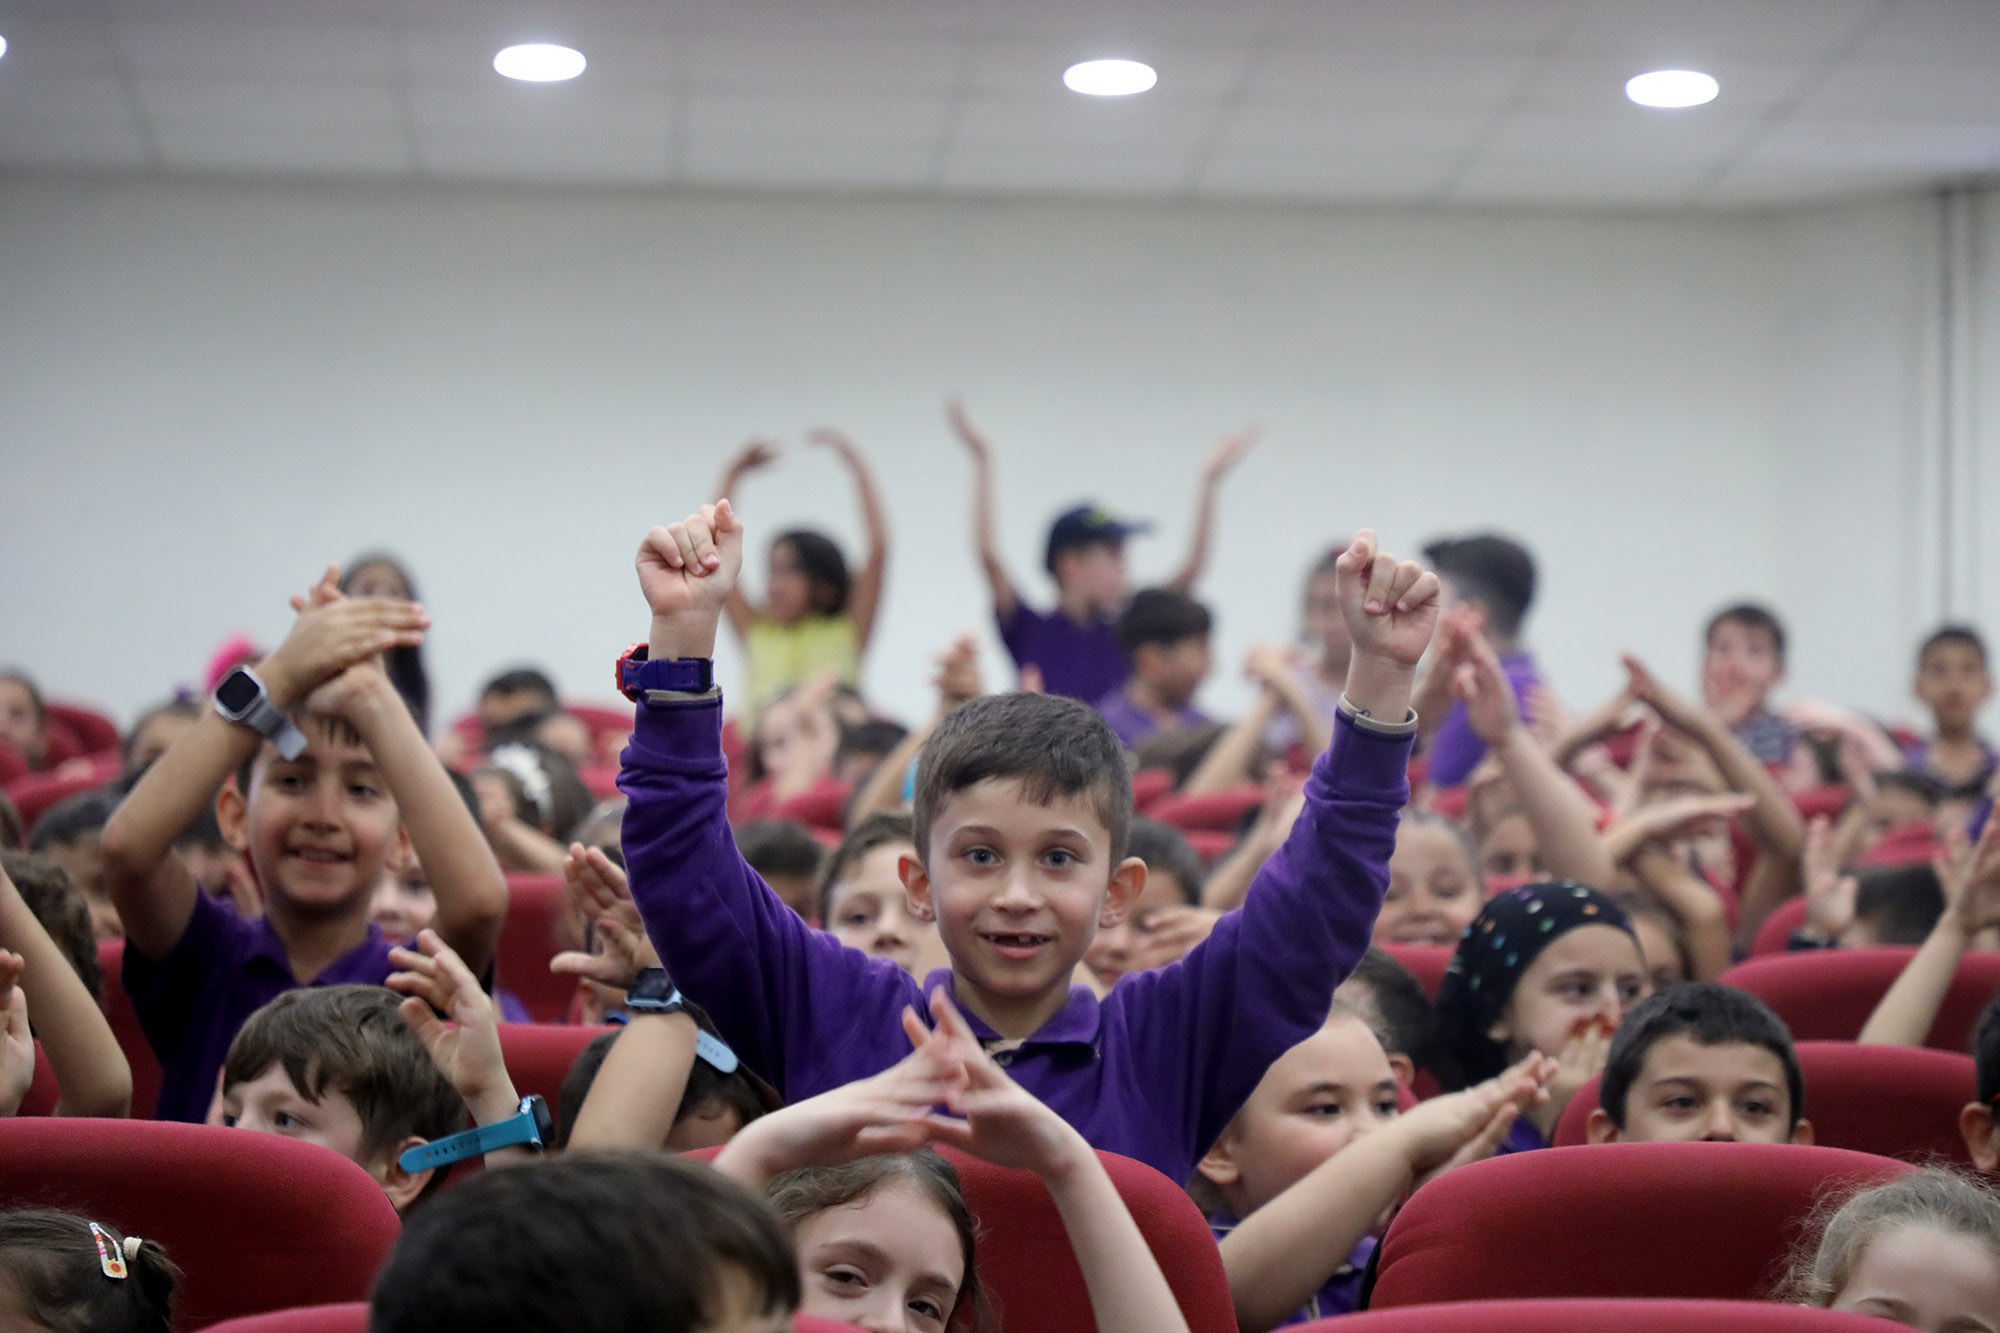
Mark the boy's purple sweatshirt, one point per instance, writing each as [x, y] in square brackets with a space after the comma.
[1154, 1071]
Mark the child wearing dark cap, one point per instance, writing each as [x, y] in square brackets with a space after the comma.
[1489, 584]
[1544, 967]
[1073, 645]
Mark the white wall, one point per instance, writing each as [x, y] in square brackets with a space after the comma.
[212, 388]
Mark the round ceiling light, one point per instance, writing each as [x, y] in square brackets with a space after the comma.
[539, 62]
[3, 46]
[1672, 88]
[1109, 78]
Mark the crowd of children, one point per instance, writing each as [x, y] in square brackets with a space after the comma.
[1406, 913]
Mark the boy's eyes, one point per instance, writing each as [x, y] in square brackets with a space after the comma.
[856, 918]
[1062, 858]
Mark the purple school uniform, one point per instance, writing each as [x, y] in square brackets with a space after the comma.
[1134, 724]
[1082, 661]
[222, 969]
[1456, 749]
[1340, 1295]
[1153, 1071]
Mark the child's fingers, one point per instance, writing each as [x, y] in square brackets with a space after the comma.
[1381, 576]
[422, 1019]
[680, 546]
[596, 967]
[701, 532]
[949, 1130]
[1359, 556]
[17, 1014]
[726, 523]
[11, 967]
[914, 1029]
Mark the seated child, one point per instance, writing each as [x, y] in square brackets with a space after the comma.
[155, 733]
[62, 1273]
[887, 1242]
[529, 801]
[1489, 583]
[1322, 674]
[1662, 940]
[1743, 662]
[1546, 967]
[1922, 1250]
[1164, 634]
[403, 903]
[24, 719]
[1701, 1062]
[1072, 647]
[1969, 878]
[662, 1089]
[1154, 933]
[1309, 1170]
[1434, 886]
[1388, 997]
[600, 1242]
[788, 858]
[515, 695]
[861, 897]
[817, 615]
[319, 828]
[71, 833]
[1021, 809]
[864, 745]
[1953, 682]
[52, 973]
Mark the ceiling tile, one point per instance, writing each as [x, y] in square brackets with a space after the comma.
[776, 62]
[790, 161]
[1630, 140]
[1462, 25]
[1596, 185]
[1078, 168]
[1912, 147]
[503, 106]
[1416, 78]
[581, 158]
[263, 52]
[1685, 33]
[1063, 118]
[277, 150]
[1597, 82]
[1344, 171]
[307, 108]
[67, 146]
[1929, 33]
[1272, 130]
[820, 117]
[90, 103]
[62, 45]
[1854, 90]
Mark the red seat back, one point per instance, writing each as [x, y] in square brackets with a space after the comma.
[124, 1020]
[538, 927]
[1427, 962]
[1613, 1220]
[1149, 787]
[539, 1055]
[1827, 994]
[95, 733]
[1630, 1316]
[1775, 935]
[1896, 1101]
[1828, 800]
[353, 1318]
[256, 1221]
[1214, 812]
[33, 794]
[42, 1093]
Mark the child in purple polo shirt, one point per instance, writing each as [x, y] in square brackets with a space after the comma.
[1489, 584]
[1164, 635]
[360, 791]
[1073, 645]
[1021, 810]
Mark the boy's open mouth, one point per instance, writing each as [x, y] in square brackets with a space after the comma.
[1017, 944]
[319, 856]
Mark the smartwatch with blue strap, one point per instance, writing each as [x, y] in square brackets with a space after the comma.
[531, 1127]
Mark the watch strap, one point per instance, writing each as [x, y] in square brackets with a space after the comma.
[523, 1127]
[640, 674]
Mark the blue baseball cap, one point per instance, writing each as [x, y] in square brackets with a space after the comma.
[1086, 524]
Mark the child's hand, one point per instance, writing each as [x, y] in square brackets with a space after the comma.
[1269, 664]
[1488, 695]
[968, 434]
[1170, 932]
[602, 895]
[1830, 895]
[1230, 452]
[839, 442]
[687, 571]
[755, 455]
[1582, 1059]
[1391, 607]
[1003, 1122]
[1468, 1126]
[1671, 818]
[1674, 709]
[17, 1043]
[324, 593]
[958, 681]
[1971, 879]
[328, 638]
[437, 980]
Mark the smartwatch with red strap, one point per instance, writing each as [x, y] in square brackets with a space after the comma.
[638, 673]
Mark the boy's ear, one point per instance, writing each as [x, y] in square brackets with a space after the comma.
[1981, 1134]
[1128, 881]
[402, 1186]
[1802, 1133]
[232, 814]
[1403, 1067]
[1601, 1128]
[401, 854]
[917, 884]
[1219, 1166]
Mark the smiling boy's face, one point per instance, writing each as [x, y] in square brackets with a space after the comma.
[1018, 891]
[1687, 1091]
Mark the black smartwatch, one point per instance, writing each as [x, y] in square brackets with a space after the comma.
[654, 992]
[240, 697]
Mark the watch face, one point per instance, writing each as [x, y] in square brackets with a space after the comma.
[237, 691]
[654, 986]
[545, 1123]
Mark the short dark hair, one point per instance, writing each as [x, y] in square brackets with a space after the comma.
[350, 1040]
[176, 707]
[1751, 616]
[1160, 617]
[1399, 1003]
[58, 904]
[1053, 746]
[884, 828]
[779, 847]
[1165, 848]
[876, 737]
[1495, 571]
[598, 1242]
[1713, 1015]
[825, 569]
[520, 680]
[1902, 903]
[72, 819]
[736, 1091]
[1920, 785]
[1986, 1051]
[51, 1262]
[1954, 633]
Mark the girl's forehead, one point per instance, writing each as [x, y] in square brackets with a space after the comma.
[1593, 945]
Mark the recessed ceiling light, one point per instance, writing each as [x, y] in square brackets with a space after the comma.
[3, 46]
[1672, 88]
[539, 62]
[1109, 78]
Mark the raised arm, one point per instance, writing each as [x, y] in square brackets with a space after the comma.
[753, 456]
[864, 597]
[637, 1093]
[1227, 455]
[465, 1049]
[154, 892]
[985, 527]
[1971, 880]
[90, 1068]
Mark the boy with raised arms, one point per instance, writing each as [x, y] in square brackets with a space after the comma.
[1022, 803]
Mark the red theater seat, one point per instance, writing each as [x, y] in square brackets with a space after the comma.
[43, 1093]
[1775, 935]
[35, 793]
[1427, 962]
[1896, 1101]
[1827, 994]
[94, 732]
[1613, 1221]
[539, 1055]
[1149, 786]
[124, 1020]
[538, 927]
[256, 1222]
[349, 1318]
[1602, 1316]
[1213, 812]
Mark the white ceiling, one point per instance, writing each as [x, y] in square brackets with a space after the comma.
[1438, 101]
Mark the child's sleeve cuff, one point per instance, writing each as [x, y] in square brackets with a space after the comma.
[1406, 727]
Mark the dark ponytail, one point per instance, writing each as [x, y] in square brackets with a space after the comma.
[56, 1264]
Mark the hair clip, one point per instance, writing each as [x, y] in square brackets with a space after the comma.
[110, 1256]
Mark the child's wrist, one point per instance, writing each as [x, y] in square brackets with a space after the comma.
[1380, 687]
[494, 1103]
[687, 634]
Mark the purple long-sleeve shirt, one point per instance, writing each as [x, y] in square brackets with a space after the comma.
[1154, 1071]
[1456, 748]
